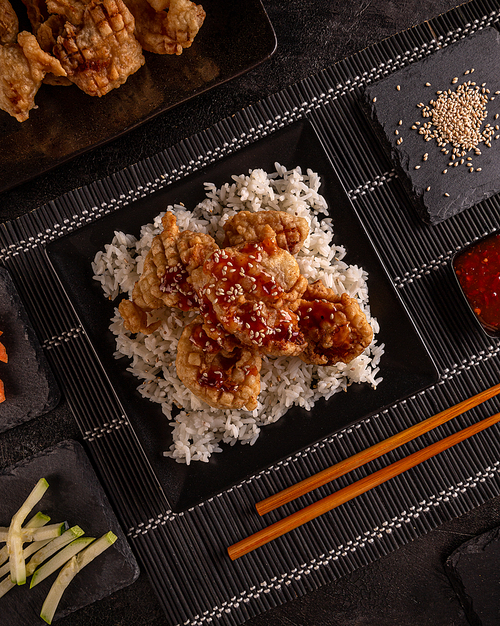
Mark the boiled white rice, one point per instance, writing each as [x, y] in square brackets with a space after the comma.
[197, 429]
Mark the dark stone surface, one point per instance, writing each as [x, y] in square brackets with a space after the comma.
[75, 496]
[30, 386]
[473, 572]
[438, 189]
[406, 588]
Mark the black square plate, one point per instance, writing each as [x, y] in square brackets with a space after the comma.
[235, 37]
[406, 365]
[76, 496]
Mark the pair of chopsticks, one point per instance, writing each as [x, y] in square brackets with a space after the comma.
[334, 500]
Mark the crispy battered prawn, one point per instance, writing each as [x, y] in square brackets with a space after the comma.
[335, 327]
[246, 226]
[166, 32]
[248, 290]
[23, 66]
[224, 380]
[164, 280]
[101, 52]
[173, 255]
[4, 359]
[9, 24]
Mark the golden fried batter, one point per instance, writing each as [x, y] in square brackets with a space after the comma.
[224, 380]
[23, 66]
[135, 318]
[335, 327]
[9, 24]
[166, 32]
[246, 226]
[164, 280]
[101, 52]
[247, 290]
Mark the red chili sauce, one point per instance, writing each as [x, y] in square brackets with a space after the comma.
[478, 272]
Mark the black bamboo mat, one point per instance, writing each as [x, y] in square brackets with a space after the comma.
[185, 554]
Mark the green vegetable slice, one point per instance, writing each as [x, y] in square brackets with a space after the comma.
[43, 554]
[60, 559]
[70, 570]
[37, 521]
[14, 537]
[36, 534]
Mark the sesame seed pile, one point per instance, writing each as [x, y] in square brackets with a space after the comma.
[454, 119]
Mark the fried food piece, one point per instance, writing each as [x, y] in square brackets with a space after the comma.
[9, 24]
[164, 280]
[102, 52]
[246, 226]
[72, 10]
[166, 32]
[135, 319]
[335, 327]
[247, 290]
[224, 380]
[23, 67]
[173, 255]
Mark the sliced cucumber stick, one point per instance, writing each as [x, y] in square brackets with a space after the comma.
[70, 570]
[14, 537]
[37, 521]
[60, 559]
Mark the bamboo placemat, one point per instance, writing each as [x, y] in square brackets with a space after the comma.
[185, 554]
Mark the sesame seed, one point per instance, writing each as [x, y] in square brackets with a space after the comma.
[428, 189]
[374, 100]
[427, 84]
[447, 195]
[400, 122]
[398, 87]
[455, 80]
[417, 167]
[445, 171]
[478, 169]
[396, 132]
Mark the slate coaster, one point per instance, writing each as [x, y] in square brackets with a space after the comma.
[30, 386]
[393, 106]
[474, 572]
[76, 496]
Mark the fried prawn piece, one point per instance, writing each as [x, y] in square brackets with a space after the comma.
[335, 327]
[248, 290]
[9, 24]
[246, 226]
[224, 380]
[102, 52]
[165, 277]
[166, 32]
[164, 280]
[23, 66]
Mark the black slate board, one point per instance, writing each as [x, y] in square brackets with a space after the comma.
[30, 386]
[396, 99]
[76, 496]
[474, 572]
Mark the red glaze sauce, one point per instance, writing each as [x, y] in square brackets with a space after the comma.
[175, 281]
[202, 341]
[237, 274]
[218, 376]
[478, 272]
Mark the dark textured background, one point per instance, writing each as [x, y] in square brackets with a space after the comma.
[408, 587]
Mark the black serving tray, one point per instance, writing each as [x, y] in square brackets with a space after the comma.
[234, 38]
[406, 365]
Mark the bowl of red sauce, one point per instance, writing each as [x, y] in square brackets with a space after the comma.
[477, 269]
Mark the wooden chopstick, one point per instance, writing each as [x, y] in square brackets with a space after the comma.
[371, 453]
[334, 500]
